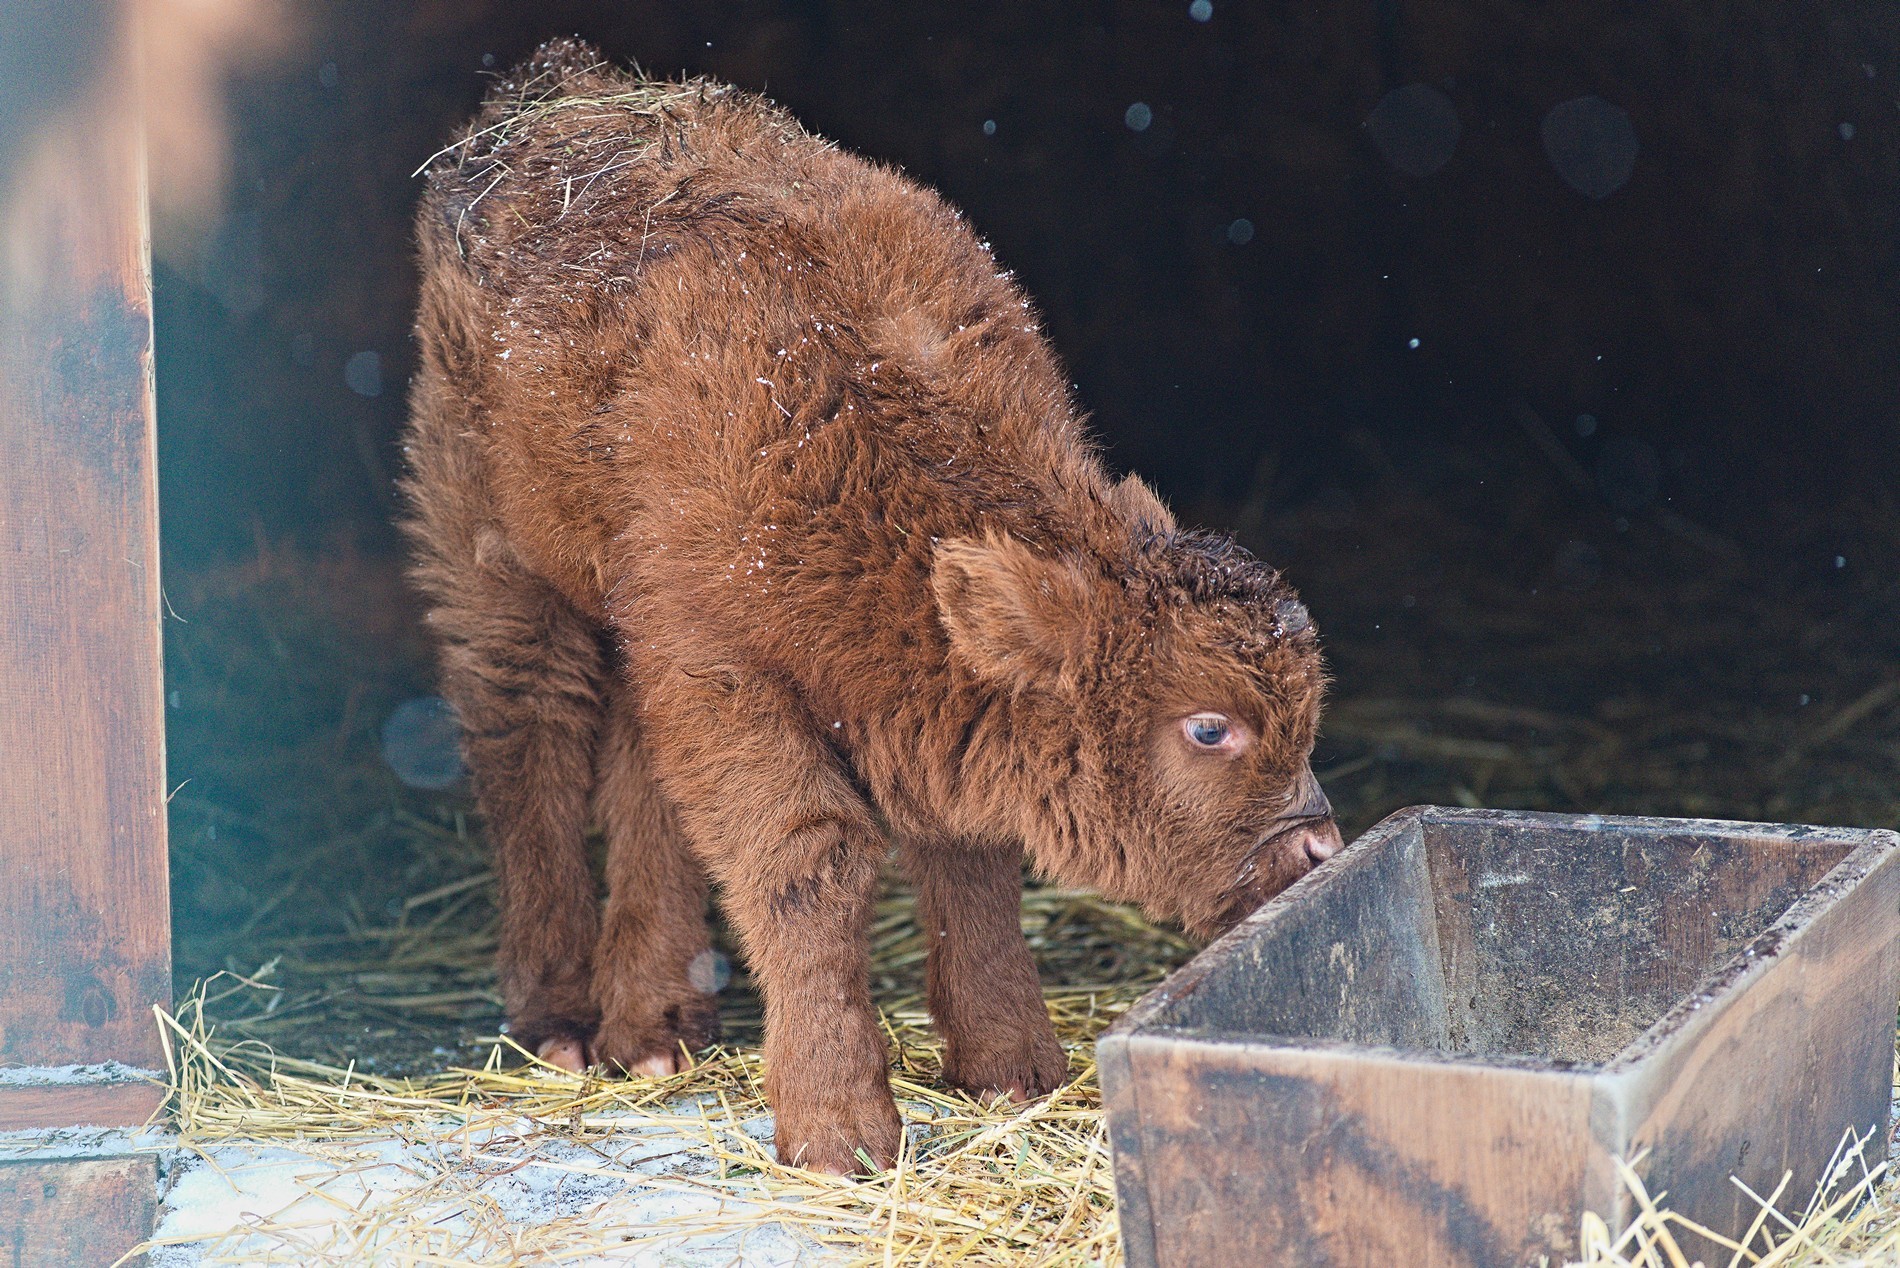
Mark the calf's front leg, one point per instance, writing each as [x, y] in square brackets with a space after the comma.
[979, 978]
[796, 853]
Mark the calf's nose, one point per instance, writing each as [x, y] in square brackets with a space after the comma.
[1321, 841]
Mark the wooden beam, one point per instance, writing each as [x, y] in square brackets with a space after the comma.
[103, 1103]
[85, 927]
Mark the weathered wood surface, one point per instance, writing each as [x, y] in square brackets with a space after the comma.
[1773, 1067]
[1370, 1161]
[84, 930]
[76, 1212]
[1343, 1081]
[115, 1104]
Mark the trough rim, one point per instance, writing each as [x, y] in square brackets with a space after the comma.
[1870, 851]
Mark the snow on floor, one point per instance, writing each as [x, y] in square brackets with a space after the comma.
[498, 1192]
[103, 1072]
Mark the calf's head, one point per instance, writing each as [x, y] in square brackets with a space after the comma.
[1164, 697]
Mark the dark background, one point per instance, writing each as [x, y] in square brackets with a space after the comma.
[1618, 534]
[1727, 317]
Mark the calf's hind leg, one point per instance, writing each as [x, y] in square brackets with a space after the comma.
[653, 966]
[523, 670]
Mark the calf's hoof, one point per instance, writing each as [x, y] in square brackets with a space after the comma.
[563, 1052]
[559, 1042]
[1023, 1067]
[861, 1141]
[658, 1046]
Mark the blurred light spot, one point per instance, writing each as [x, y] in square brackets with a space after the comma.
[364, 373]
[1240, 233]
[1201, 10]
[1411, 343]
[989, 127]
[1586, 424]
[1592, 144]
[1415, 128]
[709, 972]
[1840, 561]
[1847, 132]
[422, 743]
[488, 59]
[326, 74]
[1138, 117]
[1629, 474]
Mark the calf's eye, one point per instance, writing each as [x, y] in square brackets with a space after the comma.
[1208, 730]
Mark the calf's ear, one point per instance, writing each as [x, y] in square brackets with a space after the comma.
[1014, 617]
[1141, 506]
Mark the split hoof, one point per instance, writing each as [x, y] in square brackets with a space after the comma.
[564, 1052]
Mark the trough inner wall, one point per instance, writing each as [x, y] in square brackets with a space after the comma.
[1534, 940]
[1567, 944]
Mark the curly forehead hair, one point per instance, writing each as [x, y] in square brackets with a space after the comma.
[1207, 568]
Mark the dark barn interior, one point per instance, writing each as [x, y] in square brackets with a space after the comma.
[1552, 349]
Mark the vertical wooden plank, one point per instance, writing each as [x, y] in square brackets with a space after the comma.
[77, 1212]
[85, 928]
[1121, 1097]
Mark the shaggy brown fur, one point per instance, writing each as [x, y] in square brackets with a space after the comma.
[758, 524]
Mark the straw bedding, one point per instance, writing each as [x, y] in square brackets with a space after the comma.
[978, 1184]
[1652, 671]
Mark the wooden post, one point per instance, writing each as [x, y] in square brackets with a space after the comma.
[84, 914]
[68, 1212]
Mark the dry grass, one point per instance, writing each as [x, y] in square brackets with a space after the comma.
[1851, 1222]
[639, 105]
[996, 1184]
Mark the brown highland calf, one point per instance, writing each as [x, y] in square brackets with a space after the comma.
[757, 523]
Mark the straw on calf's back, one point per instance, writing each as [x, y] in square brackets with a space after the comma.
[758, 524]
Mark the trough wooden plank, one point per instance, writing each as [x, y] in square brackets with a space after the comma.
[1332, 1158]
[1715, 999]
[84, 931]
[1767, 1074]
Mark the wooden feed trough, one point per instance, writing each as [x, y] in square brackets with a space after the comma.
[1435, 1050]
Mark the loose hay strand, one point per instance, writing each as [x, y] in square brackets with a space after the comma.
[1849, 1228]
